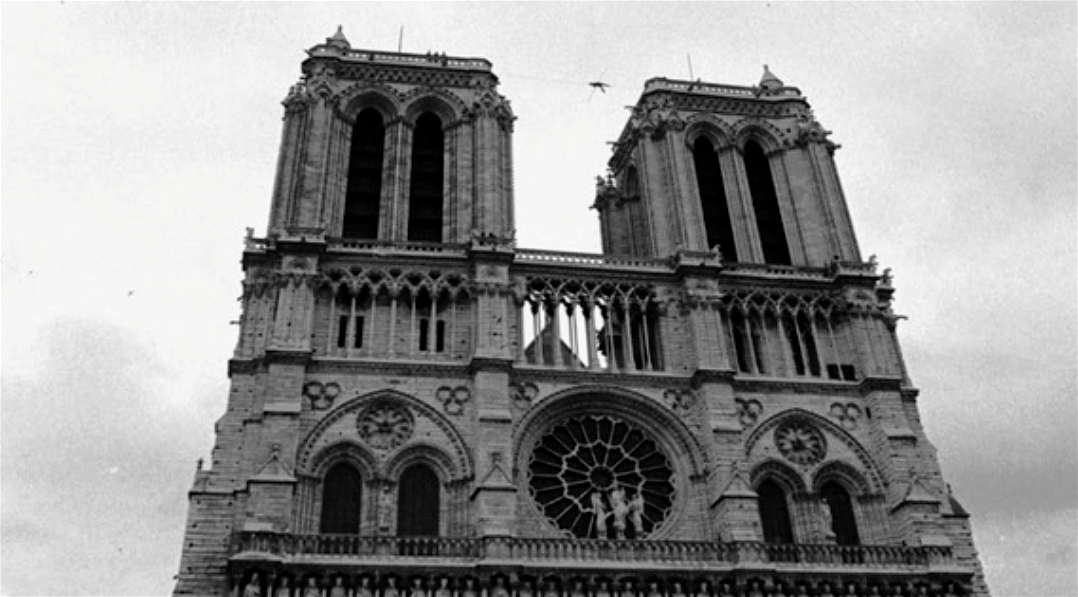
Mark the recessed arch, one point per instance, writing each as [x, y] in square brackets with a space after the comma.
[426, 193]
[422, 453]
[845, 475]
[447, 107]
[363, 195]
[357, 98]
[418, 501]
[342, 497]
[789, 479]
[719, 133]
[344, 451]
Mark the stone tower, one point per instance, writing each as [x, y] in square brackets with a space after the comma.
[715, 405]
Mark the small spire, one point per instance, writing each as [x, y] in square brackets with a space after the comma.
[339, 39]
[769, 80]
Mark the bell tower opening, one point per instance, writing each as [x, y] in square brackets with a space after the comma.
[425, 205]
[765, 204]
[713, 199]
[364, 176]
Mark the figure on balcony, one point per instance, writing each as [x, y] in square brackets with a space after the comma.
[636, 514]
[755, 590]
[469, 588]
[703, 589]
[599, 509]
[726, 589]
[826, 590]
[390, 589]
[417, 589]
[526, 589]
[253, 587]
[828, 522]
[627, 588]
[338, 590]
[312, 590]
[499, 589]
[443, 589]
[284, 590]
[677, 591]
[604, 589]
[653, 589]
[578, 589]
[620, 510]
[551, 589]
[364, 589]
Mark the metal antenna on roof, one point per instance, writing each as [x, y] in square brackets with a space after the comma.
[689, 57]
[400, 39]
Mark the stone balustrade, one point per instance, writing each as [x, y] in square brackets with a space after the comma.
[613, 554]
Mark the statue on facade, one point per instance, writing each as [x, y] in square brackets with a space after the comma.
[417, 589]
[636, 514]
[391, 589]
[653, 589]
[499, 589]
[677, 590]
[551, 589]
[443, 589]
[620, 510]
[312, 590]
[338, 590]
[253, 588]
[283, 590]
[826, 590]
[604, 589]
[578, 589]
[703, 589]
[526, 589]
[828, 521]
[364, 589]
[599, 509]
[627, 588]
[755, 590]
[469, 588]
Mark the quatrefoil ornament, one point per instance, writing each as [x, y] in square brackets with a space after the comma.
[680, 401]
[748, 411]
[321, 395]
[453, 399]
[847, 414]
[523, 393]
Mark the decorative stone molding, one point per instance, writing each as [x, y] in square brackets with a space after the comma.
[681, 401]
[321, 395]
[748, 411]
[384, 425]
[800, 442]
[523, 394]
[453, 399]
[847, 414]
[654, 116]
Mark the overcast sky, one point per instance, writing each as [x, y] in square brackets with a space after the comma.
[139, 140]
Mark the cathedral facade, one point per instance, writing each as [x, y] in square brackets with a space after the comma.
[714, 405]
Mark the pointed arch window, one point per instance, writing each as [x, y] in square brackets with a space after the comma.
[425, 202]
[843, 521]
[418, 501]
[774, 513]
[713, 199]
[765, 205]
[363, 197]
[341, 498]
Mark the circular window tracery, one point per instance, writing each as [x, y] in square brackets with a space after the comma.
[385, 425]
[800, 442]
[598, 476]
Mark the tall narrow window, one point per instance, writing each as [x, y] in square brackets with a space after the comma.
[425, 205]
[843, 521]
[364, 176]
[418, 502]
[774, 513]
[765, 204]
[341, 494]
[740, 333]
[713, 199]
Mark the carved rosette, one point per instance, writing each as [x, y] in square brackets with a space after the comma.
[321, 395]
[748, 412]
[847, 414]
[385, 425]
[453, 399]
[800, 442]
[523, 394]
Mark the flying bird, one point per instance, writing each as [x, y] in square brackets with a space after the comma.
[599, 85]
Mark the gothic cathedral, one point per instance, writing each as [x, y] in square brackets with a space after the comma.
[714, 406]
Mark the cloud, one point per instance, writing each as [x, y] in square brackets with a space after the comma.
[94, 478]
[1029, 554]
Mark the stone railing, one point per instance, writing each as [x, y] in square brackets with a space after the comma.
[590, 259]
[777, 271]
[419, 59]
[664, 84]
[397, 247]
[700, 555]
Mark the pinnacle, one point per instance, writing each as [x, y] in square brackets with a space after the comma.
[338, 38]
[769, 80]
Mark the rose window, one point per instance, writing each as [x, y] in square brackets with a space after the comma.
[384, 425]
[800, 442]
[601, 477]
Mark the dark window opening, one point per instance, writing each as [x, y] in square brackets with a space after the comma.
[812, 355]
[423, 336]
[439, 339]
[364, 193]
[418, 502]
[425, 204]
[737, 325]
[357, 341]
[774, 513]
[342, 332]
[341, 495]
[765, 204]
[713, 199]
[848, 373]
[843, 521]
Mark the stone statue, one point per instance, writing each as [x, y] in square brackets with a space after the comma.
[755, 590]
[600, 514]
[653, 590]
[364, 589]
[725, 590]
[417, 589]
[620, 510]
[253, 588]
[284, 590]
[826, 591]
[443, 589]
[525, 589]
[703, 589]
[636, 514]
[551, 589]
[469, 588]
[338, 590]
[828, 521]
[627, 589]
[603, 590]
[578, 589]
[677, 590]
[312, 590]
[391, 589]
[499, 589]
